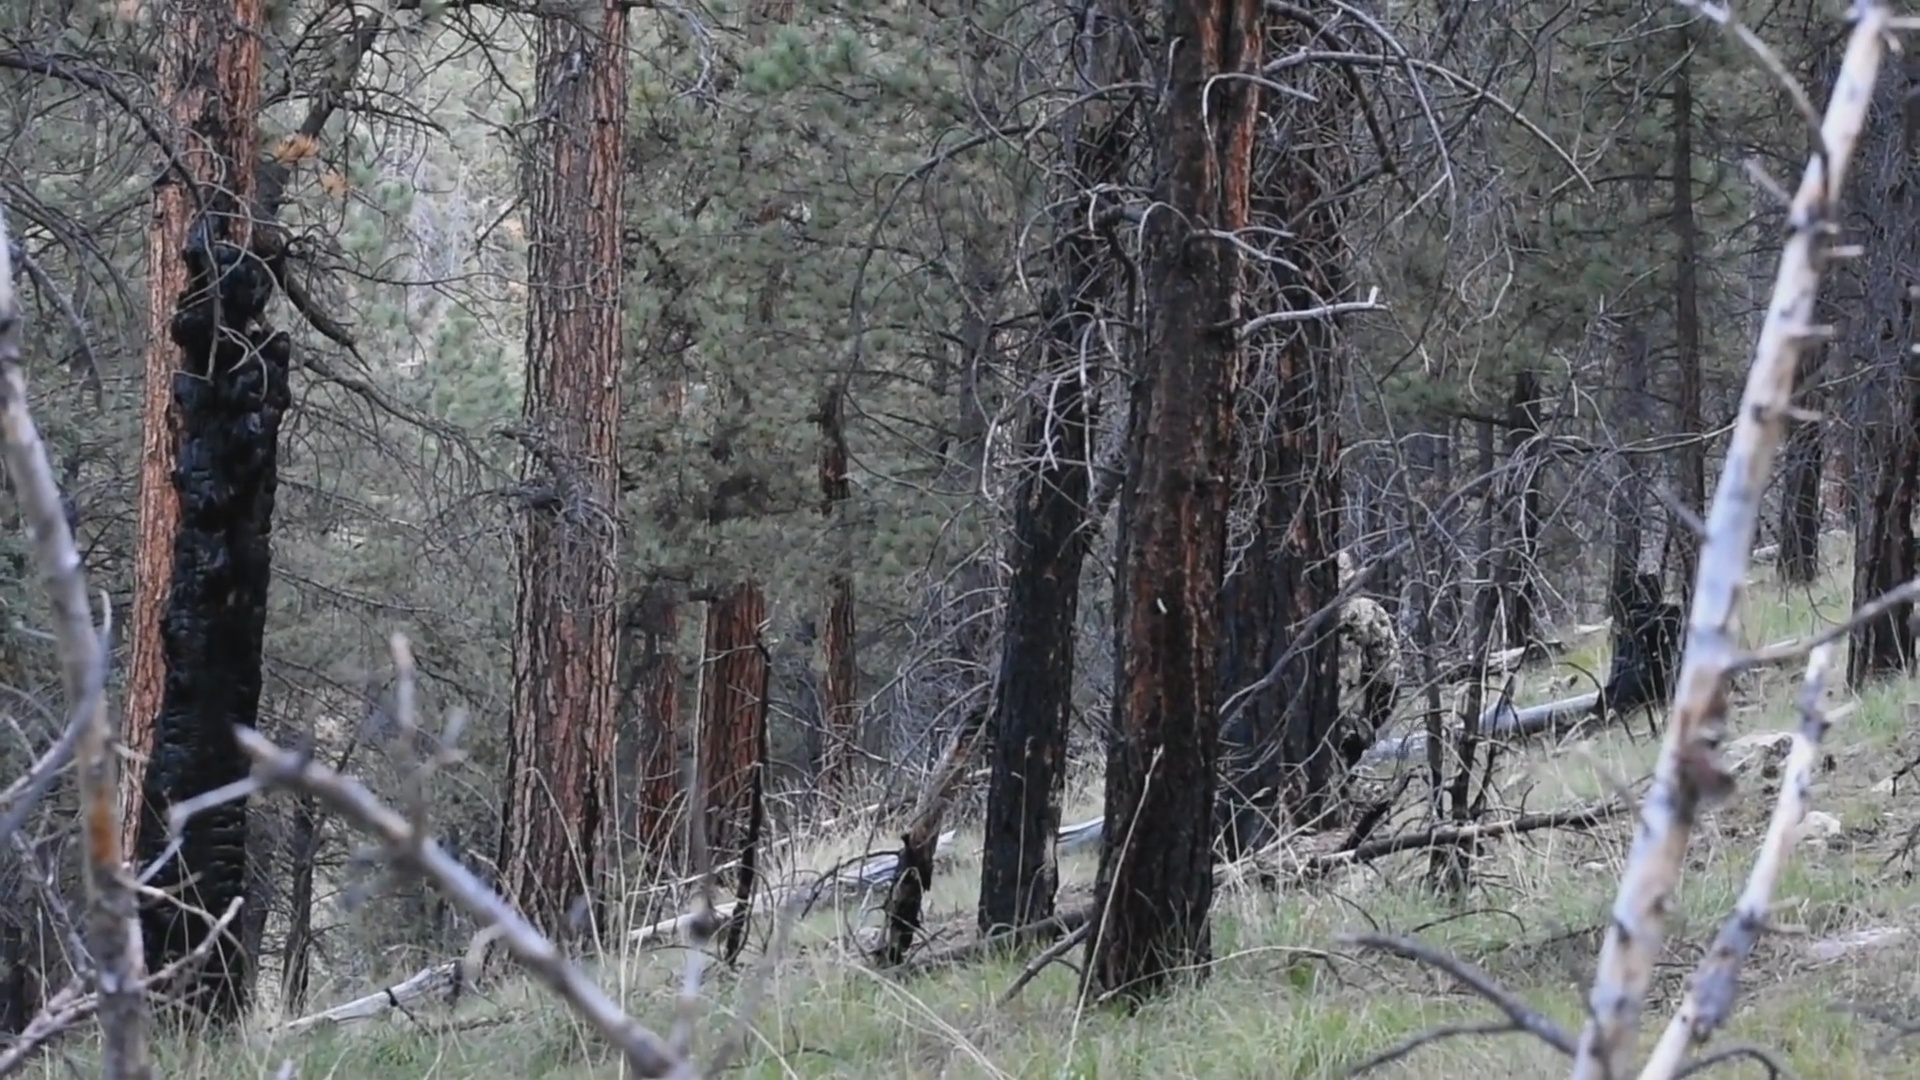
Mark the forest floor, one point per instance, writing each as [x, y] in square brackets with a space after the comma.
[1285, 998]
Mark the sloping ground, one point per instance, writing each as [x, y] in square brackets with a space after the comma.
[1285, 1000]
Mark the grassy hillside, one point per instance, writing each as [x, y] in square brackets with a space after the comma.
[1285, 999]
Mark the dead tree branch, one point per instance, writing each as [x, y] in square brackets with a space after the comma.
[1690, 777]
[412, 850]
[113, 933]
[1716, 982]
[1520, 1017]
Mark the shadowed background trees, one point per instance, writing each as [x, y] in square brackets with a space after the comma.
[776, 386]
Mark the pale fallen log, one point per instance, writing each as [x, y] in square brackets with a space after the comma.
[438, 981]
[1501, 721]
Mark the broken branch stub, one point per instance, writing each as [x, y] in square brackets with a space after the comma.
[1690, 776]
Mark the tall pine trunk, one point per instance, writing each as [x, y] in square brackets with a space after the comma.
[561, 744]
[652, 638]
[1626, 499]
[216, 389]
[1033, 699]
[209, 70]
[839, 713]
[1520, 551]
[1884, 457]
[733, 737]
[1692, 455]
[1154, 888]
[1800, 505]
[1280, 741]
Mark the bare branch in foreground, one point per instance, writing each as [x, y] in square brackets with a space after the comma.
[1690, 776]
[1716, 981]
[1874, 609]
[410, 849]
[1520, 1017]
[70, 1006]
[113, 932]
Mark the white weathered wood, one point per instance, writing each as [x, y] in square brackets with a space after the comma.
[1711, 992]
[438, 981]
[1690, 776]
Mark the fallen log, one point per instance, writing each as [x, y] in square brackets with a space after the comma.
[1500, 721]
[439, 981]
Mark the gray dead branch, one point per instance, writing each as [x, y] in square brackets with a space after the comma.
[112, 929]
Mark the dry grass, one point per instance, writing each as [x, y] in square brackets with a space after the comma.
[1283, 1001]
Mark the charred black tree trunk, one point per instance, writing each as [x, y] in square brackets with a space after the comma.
[1520, 553]
[1279, 741]
[1033, 699]
[1646, 653]
[1884, 537]
[1691, 459]
[229, 397]
[1154, 889]
[1799, 559]
[19, 981]
[1626, 500]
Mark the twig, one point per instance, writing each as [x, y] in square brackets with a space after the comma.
[1689, 777]
[113, 935]
[1521, 1018]
[1455, 835]
[1045, 960]
[1867, 612]
[69, 1007]
[1716, 981]
[647, 1053]
[1254, 325]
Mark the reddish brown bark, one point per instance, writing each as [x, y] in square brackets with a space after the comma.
[1283, 742]
[838, 683]
[1155, 881]
[733, 716]
[209, 78]
[566, 630]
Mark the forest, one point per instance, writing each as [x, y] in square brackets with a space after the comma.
[1010, 538]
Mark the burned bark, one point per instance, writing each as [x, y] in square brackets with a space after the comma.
[1800, 505]
[209, 73]
[1885, 457]
[1155, 881]
[913, 869]
[1033, 698]
[229, 397]
[1626, 499]
[1281, 745]
[1520, 554]
[1646, 652]
[1692, 452]
[566, 626]
[1884, 536]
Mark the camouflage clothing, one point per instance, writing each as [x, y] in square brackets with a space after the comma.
[1369, 674]
[1369, 690]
